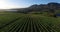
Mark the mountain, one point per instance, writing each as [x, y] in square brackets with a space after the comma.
[50, 7]
[43, 7]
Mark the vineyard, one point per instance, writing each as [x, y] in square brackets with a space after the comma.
[28, 23]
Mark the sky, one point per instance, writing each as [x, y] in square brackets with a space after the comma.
[7, 4]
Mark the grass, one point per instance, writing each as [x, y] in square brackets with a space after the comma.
[25, 20]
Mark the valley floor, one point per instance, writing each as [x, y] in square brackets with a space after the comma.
[16, 22]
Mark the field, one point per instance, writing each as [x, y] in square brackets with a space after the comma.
[17, 22]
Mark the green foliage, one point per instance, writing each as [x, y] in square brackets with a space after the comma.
[25, 22]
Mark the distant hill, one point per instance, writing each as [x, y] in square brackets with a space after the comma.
[41, 7]
[50, 7]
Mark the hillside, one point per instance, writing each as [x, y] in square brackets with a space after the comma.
[42, 7]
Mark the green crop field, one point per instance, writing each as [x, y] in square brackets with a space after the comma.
[17, 22]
